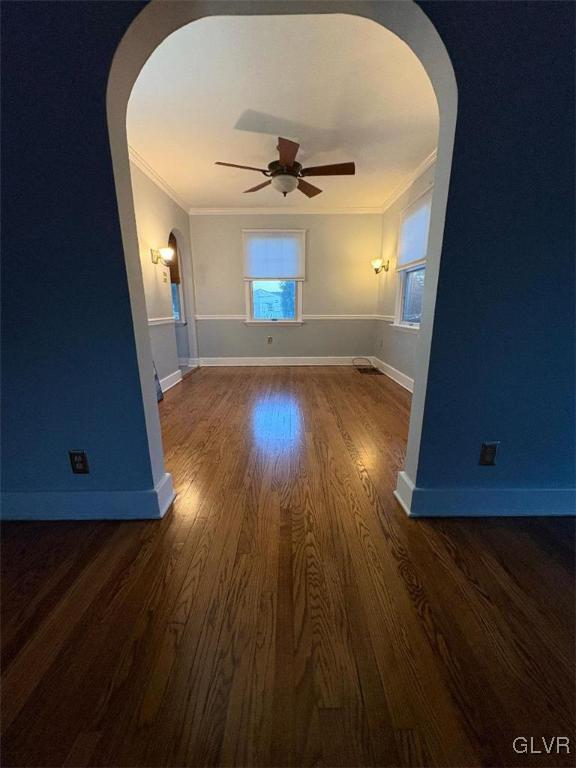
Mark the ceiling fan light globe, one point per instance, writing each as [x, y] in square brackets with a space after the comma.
[285, 183]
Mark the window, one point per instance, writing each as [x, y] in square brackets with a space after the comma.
[273, 275]
[411, 261]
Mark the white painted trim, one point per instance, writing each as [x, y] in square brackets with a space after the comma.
[394, 374]
[409, 180]
[165, 493]
[154, 176]
[389, 318]
[491, 502]
[258, 361]
[339, 317]
[273, 322]
[398, 191]
[375, 211]
[404, 491]
[405, 328]
[161, 321]
[90, 505]
[189, 362]
[220, 317]
[171, 380]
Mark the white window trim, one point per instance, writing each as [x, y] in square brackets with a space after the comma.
[401, 278]
[401, 271]
[249, 280]
[250, 309]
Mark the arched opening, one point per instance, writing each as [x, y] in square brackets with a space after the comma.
[406, 20]
[183, 301]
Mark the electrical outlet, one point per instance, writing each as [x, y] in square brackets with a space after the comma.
[270, 339]
[488, 453]
[79, 462]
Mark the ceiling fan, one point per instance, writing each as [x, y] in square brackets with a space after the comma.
[286, 174]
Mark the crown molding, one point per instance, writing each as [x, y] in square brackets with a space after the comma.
[282, 211]
[154, 176]
[405, 185]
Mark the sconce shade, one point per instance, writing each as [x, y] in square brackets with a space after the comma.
[167, 254]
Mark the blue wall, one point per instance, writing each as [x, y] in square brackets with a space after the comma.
[70, 377]
[502, 363]
[502, 357]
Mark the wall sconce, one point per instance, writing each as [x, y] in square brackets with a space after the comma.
[378, 265]
[165, 255]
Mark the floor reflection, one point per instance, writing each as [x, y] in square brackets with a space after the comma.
[276, 422]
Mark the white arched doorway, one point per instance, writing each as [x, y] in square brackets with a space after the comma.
[163, 17]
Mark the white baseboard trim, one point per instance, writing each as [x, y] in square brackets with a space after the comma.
[256, 361]
[165, 493]
[404, 491]
[484, 502]
[150, 504]
[189, 362]
[394, 373]
[171, 380]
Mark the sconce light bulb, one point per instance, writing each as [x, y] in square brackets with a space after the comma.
[167, 254]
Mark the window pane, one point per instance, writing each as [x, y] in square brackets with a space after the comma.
[413, 292]
[176, 301]
[414, 231]
[273, 299]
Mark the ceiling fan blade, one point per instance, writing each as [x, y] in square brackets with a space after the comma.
[244, 167]
[308, 189]
[259, 186]
[337, 169]
[288, 151]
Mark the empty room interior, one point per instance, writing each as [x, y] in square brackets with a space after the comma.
[288, 425]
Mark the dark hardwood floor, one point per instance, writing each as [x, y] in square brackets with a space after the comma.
[286, 612]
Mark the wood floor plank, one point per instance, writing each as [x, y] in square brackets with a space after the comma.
[286, 612]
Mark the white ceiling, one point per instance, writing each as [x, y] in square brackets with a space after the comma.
[223, 88]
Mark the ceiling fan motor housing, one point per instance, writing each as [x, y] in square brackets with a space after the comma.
[284, 178]
[276, 168]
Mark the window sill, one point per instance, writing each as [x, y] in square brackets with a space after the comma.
[181, 322]
[273, 322]
[405, 328]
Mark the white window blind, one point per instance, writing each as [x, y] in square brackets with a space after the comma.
[274, 254]
[413, 241]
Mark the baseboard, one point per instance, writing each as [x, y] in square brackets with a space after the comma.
[188, 362]
[394, 374]
[171, 380]
[150, 504]
[165, 493]
[484, 502]
[256, 361]
[404, 491]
